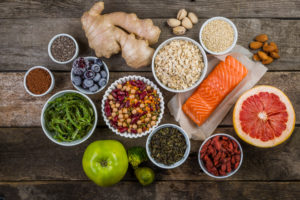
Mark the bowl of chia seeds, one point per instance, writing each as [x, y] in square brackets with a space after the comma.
[168, 146]
[63, 48]
[89, 75]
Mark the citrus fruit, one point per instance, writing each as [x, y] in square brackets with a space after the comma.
[264, 116]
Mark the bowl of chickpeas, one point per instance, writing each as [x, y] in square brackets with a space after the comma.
[132, 106]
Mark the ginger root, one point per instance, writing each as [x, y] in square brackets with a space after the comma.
[106, 35]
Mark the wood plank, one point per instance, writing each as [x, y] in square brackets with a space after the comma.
[21, 51]
[155, 8]
[160, 190]
[38, 158]
[20, 109]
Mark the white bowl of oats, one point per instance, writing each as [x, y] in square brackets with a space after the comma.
[179, 64]
[218, 35]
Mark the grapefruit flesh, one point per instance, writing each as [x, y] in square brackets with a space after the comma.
[264, 116]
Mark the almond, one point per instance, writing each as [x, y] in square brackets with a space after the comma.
[268, 48]
[274, 55]
[267, 61]
[256, 57]
[181, 14]
[255, 45]
[173, 22]
[193, 17]
[186, 23]
[262, 55]
[179, 30]
[261, 38]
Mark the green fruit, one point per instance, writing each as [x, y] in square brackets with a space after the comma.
[105, 162]
[145, 175]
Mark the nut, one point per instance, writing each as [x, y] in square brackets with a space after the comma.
[274, 55]
[256, 57]
[267, 61]
[186, 23]
[179, 30]
[193, 17]
[181, 14]
[274, 44]
[173, 22]
[268, 48]
[255, 45]
[261, 38]
[262, 55]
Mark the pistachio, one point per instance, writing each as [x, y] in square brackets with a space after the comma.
[173, 22]
[181, 14]
[193, 17]
[179, 30]
[186, 23]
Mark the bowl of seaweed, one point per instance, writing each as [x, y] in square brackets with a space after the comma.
[69, 118]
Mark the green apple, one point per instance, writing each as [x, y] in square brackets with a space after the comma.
[105, 162]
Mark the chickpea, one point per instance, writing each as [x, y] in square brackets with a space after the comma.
[132, 91]
[129, 130]
[124, 124]
[126, 116]
[112, 105]
[134, 126]
[120, 124]
[117, 105]
[147, 119]
[139, 130]
[148, 87]
[128, 120]
[149, 115]
[120, 116]
[119, 86]
[120, 111]
[110, 97]
[153, 123]
[133, 111]
[148, 125]
[111, 102]
[139, 122]
[122, 120]
[124, 88]
[124, 110]
[154, 118]
[127, 88]
[114, 114]
[110, 118]
[142, 105]
[130, 126]
[115, 110]
[131, 96]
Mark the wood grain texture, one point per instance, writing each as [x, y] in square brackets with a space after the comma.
[20, 109]
[22, 51]
[35, 157]
[153, 8]
[160, 190]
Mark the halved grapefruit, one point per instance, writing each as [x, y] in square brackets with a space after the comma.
[264, 116]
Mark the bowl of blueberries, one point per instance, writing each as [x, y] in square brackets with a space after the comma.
[89, 75]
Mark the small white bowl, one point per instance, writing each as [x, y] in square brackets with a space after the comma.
[202, 164]
[202, 73]
[234, 40]
[185, 156]
[51, 85]
[86, 91]
[50, 44]
[114, 86]
[50, 135]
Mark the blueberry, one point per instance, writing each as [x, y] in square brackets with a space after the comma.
[77, 71]
[99, 62]
[76, 80]
[102, 82]
[97, 77]
[94, 88]
[103, 74]
[89, 74]
[96, 68]
[88, 83]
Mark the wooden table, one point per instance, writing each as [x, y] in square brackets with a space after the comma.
[32, 167]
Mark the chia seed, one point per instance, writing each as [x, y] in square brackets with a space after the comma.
[63, 48]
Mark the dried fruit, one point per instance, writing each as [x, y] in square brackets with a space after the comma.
[179, 30]
[255, 45]
[267, 61]
[186, 23]
[256, 57]
[261, 38]
[268, 48]
[181, 14]
[262, 55]
[193, 17]
[274, 55]
[173, 22]
[274, 44]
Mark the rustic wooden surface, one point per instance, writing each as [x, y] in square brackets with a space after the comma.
[32, 167]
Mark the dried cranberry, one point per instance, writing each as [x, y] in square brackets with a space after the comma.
[127, 104]
[122, 129]
[133, 131]
[143, 94]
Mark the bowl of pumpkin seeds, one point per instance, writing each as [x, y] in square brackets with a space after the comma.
[168, 146]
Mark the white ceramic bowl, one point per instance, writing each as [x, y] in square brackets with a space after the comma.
[202, 73]
[51, 85]
[50, 135]
[86, 91]
[234, 40]
[114, 86]
[203, 166]
[50, 44]
[185, 156]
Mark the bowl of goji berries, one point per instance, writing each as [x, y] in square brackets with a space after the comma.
[220, 155]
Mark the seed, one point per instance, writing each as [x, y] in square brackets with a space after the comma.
[63, 48]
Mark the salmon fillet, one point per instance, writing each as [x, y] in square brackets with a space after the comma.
[211, 92]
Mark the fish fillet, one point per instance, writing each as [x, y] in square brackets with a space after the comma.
[211, 92]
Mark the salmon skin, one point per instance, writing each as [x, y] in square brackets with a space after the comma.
[211, 92]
